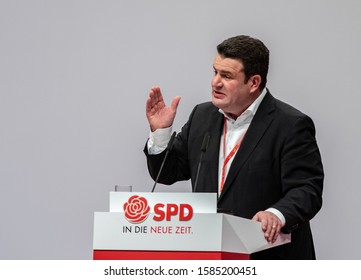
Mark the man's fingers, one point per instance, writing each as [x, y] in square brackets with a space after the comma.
[277, 232]
[157, 94]
[272, 232]
[155, 100]
[271, 225]
[175, 103]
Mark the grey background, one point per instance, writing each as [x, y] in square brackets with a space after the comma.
[74, 77]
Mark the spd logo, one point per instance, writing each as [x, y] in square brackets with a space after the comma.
[136, 209]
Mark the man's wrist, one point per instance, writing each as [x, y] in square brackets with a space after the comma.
[278, 214]
[158, 140]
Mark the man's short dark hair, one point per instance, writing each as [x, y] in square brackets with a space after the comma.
[251, 52]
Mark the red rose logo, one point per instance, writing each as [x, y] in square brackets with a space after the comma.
[136, 209]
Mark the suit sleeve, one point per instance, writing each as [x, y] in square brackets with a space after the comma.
[301, 175]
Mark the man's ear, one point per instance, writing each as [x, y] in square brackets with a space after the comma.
[255, 82]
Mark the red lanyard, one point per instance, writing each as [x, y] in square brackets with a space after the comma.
[230, 155]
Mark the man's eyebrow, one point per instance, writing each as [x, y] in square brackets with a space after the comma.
[222, 71]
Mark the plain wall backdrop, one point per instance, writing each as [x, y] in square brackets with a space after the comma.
[74, 78]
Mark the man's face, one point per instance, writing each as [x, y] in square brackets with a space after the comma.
[229, 91]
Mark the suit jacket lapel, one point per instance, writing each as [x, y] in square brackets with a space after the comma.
[212, 154]
[256, 130]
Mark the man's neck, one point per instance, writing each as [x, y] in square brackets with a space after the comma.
[235, 116]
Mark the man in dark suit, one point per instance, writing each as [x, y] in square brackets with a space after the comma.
[262, 158]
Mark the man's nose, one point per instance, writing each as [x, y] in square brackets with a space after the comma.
[216, 81]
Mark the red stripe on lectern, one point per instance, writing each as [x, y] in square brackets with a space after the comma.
[166, 255]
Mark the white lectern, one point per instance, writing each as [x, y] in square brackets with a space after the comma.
[174, 226]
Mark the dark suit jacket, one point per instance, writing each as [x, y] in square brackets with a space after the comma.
[278, 165]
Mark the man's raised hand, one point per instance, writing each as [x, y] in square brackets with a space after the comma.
[158, 114]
